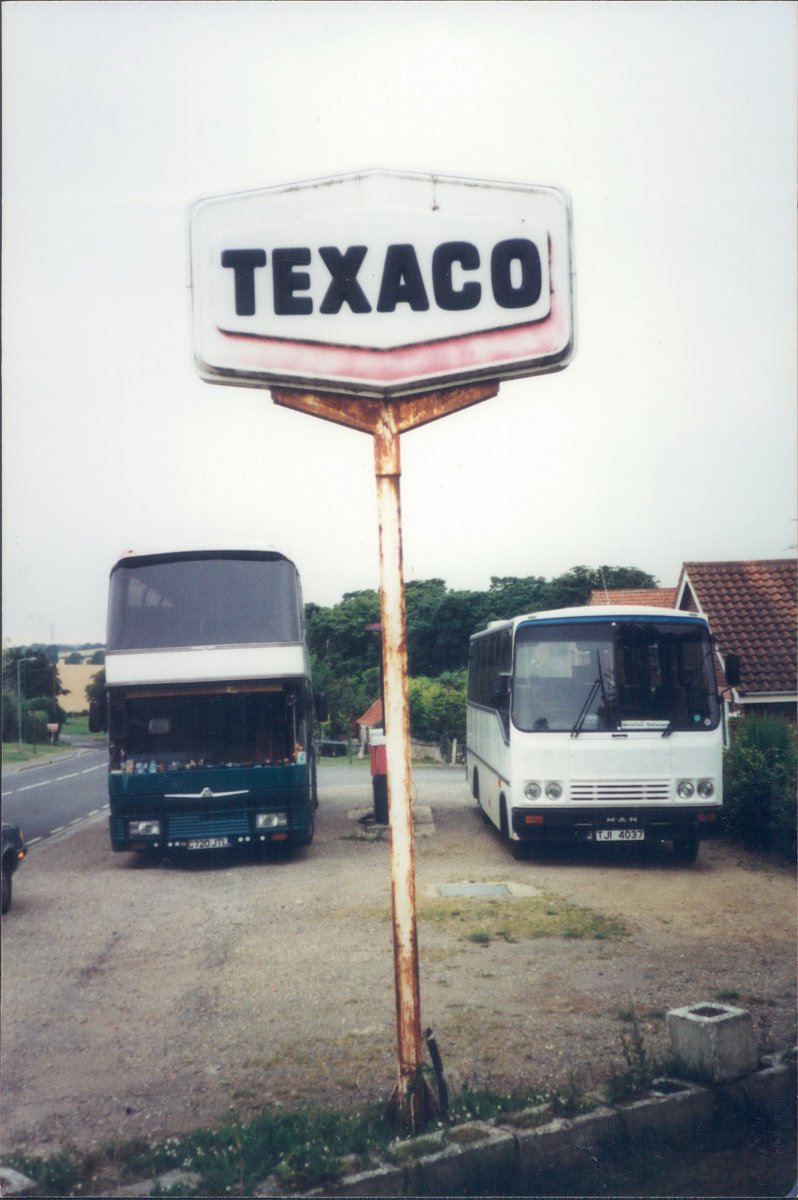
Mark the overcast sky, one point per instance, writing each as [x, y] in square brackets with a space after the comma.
[670, 437]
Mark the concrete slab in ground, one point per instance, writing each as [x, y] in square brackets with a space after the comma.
[363, 827]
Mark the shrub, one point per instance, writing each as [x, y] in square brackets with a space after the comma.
[759, 783]
[10, 721]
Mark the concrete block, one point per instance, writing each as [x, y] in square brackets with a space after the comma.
[416, 1147]
[712, 1042]
[772, 1089]
[161, 1183]
[362, 827]
[566, 1140]
[13, 1183]
[479, 1158]
[380, 1181]
[670, 1116]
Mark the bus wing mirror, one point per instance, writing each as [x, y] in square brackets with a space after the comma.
[320, 701]
[97, 714]
[731, 669]
[500, 687]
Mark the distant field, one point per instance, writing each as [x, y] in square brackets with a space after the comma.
[75, 678]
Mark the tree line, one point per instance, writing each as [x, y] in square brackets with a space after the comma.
[440, 621]
[31, 687]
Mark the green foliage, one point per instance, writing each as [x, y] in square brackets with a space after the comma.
[95, 690]
[37, 675]
[338, 636]
[477, 1102]
[640, 1070]
[509, 596]
[10, 726]
[759, 783]
[439, 624]
[36, 713]
[57, 1175]
[438, 707]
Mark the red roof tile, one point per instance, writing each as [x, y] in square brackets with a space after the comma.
[752, 610]
[659, 597]
[372, 715]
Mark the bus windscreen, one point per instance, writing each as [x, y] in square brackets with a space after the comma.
[203, 600]
[617, 676]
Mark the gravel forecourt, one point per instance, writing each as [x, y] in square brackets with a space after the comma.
[142, 999]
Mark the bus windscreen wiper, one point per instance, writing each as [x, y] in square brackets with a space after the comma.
[580, 720]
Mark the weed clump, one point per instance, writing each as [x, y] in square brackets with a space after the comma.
[641, 1069]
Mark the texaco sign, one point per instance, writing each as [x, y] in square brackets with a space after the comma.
[382, 284]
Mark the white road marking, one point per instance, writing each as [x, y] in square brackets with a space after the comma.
[58, 779]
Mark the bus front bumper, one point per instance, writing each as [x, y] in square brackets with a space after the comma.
[622, 825]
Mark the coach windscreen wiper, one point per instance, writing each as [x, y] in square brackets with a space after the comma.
[580, 720]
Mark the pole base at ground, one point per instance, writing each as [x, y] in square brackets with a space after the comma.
[416, 1112]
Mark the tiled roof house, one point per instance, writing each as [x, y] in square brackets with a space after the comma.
[658, 597]
[752, 609]
[370, 719]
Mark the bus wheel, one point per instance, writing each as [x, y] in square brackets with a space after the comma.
[685, 848]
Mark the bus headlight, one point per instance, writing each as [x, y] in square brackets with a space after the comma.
[144, 828]
[553, 791]
[270, 820]
[706, 788]
[684, 789]
[532, 790]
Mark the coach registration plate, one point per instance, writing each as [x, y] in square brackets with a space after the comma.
[210, 843]
[620, 835]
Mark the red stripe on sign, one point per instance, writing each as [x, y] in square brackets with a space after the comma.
[499, 347]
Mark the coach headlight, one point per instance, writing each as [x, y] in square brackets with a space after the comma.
[144, 828]
[553, 791]
[684, 789]
[532, 790]
[272, 820]
[706, 789]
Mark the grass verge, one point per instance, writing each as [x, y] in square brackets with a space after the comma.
[12, 753]
[518, 918]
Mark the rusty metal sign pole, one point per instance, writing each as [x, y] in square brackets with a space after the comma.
[411, 1101]
[411, 1104]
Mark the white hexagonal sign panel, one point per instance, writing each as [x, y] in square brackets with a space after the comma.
[382, 283]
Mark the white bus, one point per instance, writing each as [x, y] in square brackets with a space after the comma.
[599, 724]
[209, 708]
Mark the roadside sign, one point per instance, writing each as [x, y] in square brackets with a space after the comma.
[381, 284]
[382, 301]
